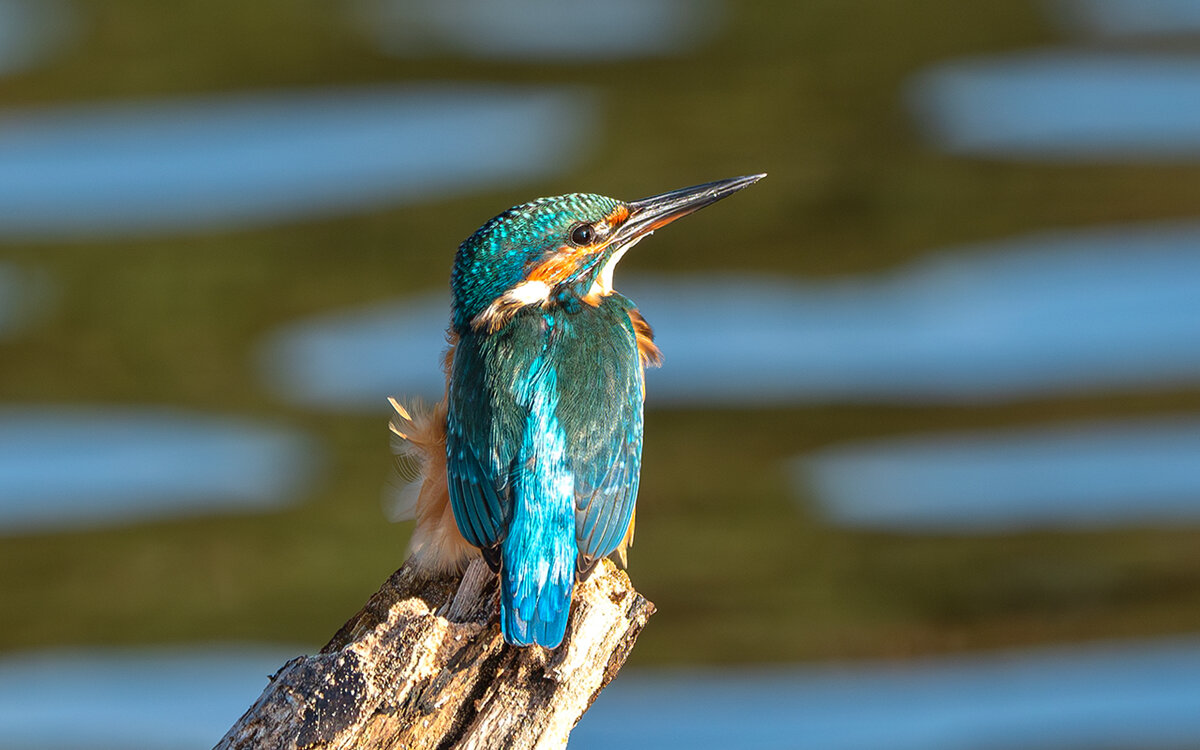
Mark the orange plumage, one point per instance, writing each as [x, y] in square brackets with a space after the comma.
[419, 438]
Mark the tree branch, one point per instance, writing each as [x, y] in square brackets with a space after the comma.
[423, 665]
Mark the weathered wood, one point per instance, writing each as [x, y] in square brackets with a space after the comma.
[423, 665]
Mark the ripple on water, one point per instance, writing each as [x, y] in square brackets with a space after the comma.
[1144, 695]
[73, 467]
[541, 30]
[1116, 18]
[80, 171]
[1064, 106]
[1130, 694]
[1137, 473]
[160, 698]
[355, 359]
[1048, 313]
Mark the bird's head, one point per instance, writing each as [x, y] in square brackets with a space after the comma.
[561, 250]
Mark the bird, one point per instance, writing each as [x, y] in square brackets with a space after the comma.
[532, 459]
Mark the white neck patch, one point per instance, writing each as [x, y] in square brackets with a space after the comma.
[504, 307]
[603, 285]
[529, 292]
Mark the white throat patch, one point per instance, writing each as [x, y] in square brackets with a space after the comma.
[603, 285]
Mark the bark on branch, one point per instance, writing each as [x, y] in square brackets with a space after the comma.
[423, 665]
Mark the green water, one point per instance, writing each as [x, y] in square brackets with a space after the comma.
[809, 92]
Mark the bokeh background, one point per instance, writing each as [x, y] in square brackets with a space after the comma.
[921, 469]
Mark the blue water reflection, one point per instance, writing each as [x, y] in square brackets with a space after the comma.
[31, 31]
[232, 160]
[151, 698]
[1056, 312]
[1142, 473]
[356, 359]
[1064, 106]
[542, 30]
[63, 467]
[1110, 696]
[1144, 695]
[1112, 18]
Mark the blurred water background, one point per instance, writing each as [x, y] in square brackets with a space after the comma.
[941, 369]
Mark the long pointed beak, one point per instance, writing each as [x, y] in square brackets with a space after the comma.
[648, 214]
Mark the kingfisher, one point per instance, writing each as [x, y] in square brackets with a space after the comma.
[532, 459]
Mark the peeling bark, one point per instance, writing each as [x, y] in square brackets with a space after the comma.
[423, 665]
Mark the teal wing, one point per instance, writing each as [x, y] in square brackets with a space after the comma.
[604, 419]
[605, 496]
[483, 429]
[599, 391]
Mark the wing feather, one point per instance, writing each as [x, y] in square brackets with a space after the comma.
[607, 450]
[598, 360]
[483, 431]
[474, 497]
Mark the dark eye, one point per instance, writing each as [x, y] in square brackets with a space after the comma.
[582, 234]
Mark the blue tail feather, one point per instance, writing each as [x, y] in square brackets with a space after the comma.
[533, 609]
[538, 568]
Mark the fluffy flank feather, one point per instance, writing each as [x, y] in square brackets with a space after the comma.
[420, 491]
[648, 351]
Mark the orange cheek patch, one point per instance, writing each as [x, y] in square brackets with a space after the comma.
[558, 267]
[567, 260]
